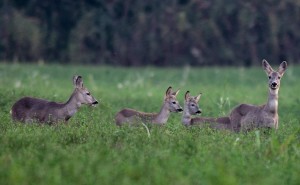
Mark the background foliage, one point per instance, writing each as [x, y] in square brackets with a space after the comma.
[162, 33]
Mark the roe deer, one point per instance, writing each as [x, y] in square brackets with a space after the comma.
[30, 109]
[191, 108]
[246, 117]
[133, 116]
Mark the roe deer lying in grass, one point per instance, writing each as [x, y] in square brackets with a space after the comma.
[133, 116]
[30, 109]
[191, 108]
[245, 117]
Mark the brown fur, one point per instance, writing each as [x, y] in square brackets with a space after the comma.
[133, 116]
[217, 123]
[246, 117]
[30, 109]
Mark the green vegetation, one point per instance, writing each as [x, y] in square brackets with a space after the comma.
[90, 149]
[156, 32]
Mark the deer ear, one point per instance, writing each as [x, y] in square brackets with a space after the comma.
[77, 81]
[266, 66]
[282, 68]
[169, 91]
[176, 92]
[197, 98]
[187, 95]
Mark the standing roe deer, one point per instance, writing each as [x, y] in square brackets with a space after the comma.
[133, 116]
[30, 109]
[245, 117]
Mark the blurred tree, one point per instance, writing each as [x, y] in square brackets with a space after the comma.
[162, 33]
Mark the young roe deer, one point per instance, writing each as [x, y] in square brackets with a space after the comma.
[191, 107]
[30, 109]
[246, 117]
[133, 116]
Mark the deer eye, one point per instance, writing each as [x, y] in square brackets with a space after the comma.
[279, 77]
[88, 93]
[193, 105]
[269, 77]
[174, 102]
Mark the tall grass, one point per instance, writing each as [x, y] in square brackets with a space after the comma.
[90, 149]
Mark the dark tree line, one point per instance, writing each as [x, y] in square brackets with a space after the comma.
[156, 32]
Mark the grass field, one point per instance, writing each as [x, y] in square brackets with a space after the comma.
[90, 149]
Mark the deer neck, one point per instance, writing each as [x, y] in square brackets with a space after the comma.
[163, 115]
[186, 116]
[72, 105]
[272, 104]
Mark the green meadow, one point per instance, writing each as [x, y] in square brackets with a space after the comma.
[91, 149]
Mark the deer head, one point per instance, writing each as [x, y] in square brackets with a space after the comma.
[191, 103]
[82, 94]
[171, 101]
[274, 76]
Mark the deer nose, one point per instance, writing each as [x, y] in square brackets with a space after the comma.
[274, 84]
[95, 102]
[199, 111]
[179, 110]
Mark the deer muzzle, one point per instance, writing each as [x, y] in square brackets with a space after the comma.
[274, 85]
[179, 110]
[94, 103]
[199, 111]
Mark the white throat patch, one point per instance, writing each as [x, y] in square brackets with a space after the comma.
[273, 104]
